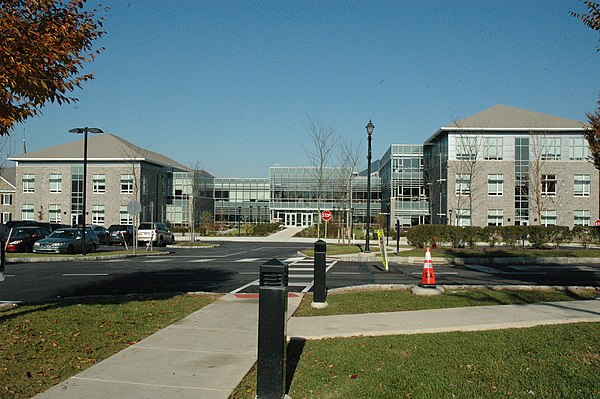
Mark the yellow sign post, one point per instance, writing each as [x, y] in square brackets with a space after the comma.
[382, 248]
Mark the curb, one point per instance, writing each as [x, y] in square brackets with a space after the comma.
[81, 258]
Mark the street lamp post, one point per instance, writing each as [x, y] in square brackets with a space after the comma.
[84, 131]
[239, 220]
[370, 127]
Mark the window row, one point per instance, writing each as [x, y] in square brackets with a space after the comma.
[55, 182]
[55, 214]
[544, 148]
[495, 217]
[495, 185]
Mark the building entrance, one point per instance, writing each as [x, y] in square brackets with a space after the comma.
[294, 219]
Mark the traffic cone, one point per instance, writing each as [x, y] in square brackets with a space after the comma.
[428, 280]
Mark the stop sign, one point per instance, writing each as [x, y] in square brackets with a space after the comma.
[597, 223]
[326, 215]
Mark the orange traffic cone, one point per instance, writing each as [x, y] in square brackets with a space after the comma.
[428, 280]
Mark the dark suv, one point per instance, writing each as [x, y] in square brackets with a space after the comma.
[121, 234]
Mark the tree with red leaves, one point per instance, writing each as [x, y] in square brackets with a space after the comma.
[43, 46]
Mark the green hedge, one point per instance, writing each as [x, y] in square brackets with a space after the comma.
[535, 236]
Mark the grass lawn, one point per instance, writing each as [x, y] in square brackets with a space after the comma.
[374, 301]
[43, 345]
[559, 361]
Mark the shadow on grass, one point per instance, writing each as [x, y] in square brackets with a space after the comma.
[294, 351]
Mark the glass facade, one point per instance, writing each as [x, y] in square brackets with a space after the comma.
[191, 197]
[403, 192]
[242, 199]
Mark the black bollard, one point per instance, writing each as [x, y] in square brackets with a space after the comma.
[319, 288]
[272, 315]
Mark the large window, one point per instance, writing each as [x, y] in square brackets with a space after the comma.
[99, 184]
[550, 148]
[549, 218]
[55, 183]
[126, 184]
[581, 185]
[581, 218]
[54, 213]
[463, 217]
[549, 185]
[27, 212]
[466, 148]
[495, 184]
[6, 217]
[492, 147]
[124, 216]
[578, 149]
[463, 184]
[495, 217]
[28, 183]
[98, 214]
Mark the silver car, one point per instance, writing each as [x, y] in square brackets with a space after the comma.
[67, 241]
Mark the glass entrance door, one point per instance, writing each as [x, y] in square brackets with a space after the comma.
[290, 219]
[307, 219]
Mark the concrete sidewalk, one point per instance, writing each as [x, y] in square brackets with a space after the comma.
[206, 354]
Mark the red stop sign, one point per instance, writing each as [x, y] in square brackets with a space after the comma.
[326, 215]
[597, 223]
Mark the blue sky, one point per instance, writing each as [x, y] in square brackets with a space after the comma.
[229, 85]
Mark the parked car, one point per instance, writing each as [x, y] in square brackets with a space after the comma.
[121, 234]
[67, 240]
[48, 226]
[158, 233]
[21, 239]
[102, 233]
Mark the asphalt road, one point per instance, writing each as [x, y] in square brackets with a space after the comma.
[234, 267]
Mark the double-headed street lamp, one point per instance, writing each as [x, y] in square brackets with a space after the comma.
[370, 127]
[84, 131]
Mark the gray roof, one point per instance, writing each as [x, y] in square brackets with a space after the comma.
[507, 117]
[9, 175]
[101, 147]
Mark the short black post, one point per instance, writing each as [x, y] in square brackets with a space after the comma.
[2, 260]
[272, 314]
[319, 288]
[397, 236]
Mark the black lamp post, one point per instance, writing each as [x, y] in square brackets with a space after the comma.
[239, 221]
[84, 131]
[370, 127]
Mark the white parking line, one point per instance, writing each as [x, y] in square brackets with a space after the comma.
[200, 260]
[248, 260]
[156, 260]
[85, 274]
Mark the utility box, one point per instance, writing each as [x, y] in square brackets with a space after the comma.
[272, 318]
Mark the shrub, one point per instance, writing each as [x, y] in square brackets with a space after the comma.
[511, 235]
[558, 235]
[491, 235]
[585, 235]
[420, 235]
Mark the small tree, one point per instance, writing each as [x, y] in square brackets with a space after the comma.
[323, 140]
